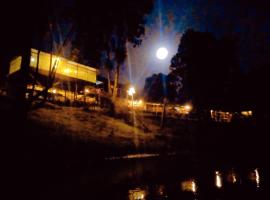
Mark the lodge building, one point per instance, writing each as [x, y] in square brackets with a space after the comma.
[72, 81]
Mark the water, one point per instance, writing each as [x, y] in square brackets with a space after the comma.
[163, 177]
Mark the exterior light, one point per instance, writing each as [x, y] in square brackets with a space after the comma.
[188, 107]
[67, 70]
[32, 59]
[54, 91]
[86, 90]
[131, 91]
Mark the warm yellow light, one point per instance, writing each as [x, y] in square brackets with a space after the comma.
[131, 91]
[137, 194]
[218, 179]
[54, 91]
[188, 107]
[86, 90]
[189, 186]
[67, 70]
[32, 59]
[247, 113]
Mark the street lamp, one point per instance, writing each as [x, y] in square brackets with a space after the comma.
[131, 92]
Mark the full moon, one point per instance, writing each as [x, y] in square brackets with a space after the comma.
[162, 53]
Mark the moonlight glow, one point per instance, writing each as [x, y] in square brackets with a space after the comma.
[162, 53]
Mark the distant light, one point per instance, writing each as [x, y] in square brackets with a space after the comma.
[247, 113]
[188, 107]
[32, 59]
[86, 90]
[162, 53]
[131, 91]
[54, 91]
[218, 179]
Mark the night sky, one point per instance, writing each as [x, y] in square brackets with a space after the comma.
[248, 20]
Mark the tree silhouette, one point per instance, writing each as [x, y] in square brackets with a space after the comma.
[208, 68]
[107, 26]
[92, 29]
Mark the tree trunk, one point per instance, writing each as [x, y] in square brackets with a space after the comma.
[35, 77]
[109, 82]
[116, 79]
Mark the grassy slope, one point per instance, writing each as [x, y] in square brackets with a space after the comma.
[94, 127]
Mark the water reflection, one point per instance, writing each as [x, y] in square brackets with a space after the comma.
[218, 179]
[232, 176]
[228, 183]
[137, 194]
[254, 177]
[189, 186]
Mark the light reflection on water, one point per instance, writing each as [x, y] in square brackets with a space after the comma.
[254, 177]
[232, 176]
[218, 179]
[137, 194]
[190, 185]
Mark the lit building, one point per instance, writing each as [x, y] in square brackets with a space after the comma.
[72, 81]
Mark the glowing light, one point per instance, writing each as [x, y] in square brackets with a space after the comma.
[67, 70]
[162, 53]
[32, 59]
[86, 90]
[247, 113]
[218, 179]
[131, 91]
[232, 176]
[257, 177]
[54, 91]
[137, 194]
[188, 107]
[189, 186]
[254, 176]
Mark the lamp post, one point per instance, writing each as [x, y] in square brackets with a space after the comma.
[131, 92]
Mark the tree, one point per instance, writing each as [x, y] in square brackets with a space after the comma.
[107, 26]
[208, 68]
[89, 29]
